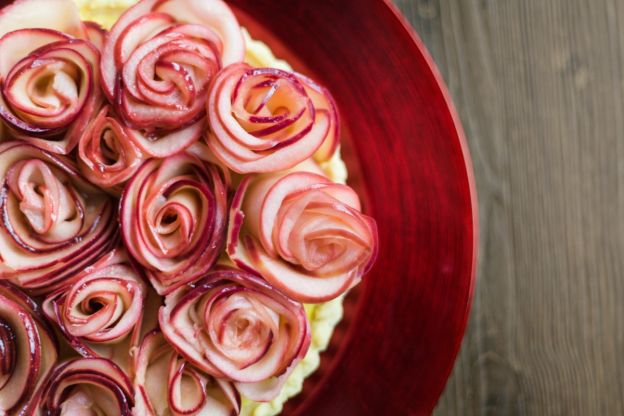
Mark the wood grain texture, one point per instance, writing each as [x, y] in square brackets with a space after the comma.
[539, 86]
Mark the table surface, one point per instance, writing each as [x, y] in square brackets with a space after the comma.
[539, 86]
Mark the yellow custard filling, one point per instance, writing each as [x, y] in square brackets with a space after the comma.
[323, 317]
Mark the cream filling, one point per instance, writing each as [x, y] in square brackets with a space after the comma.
[323, 317]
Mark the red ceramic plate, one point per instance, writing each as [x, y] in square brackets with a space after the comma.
[405, 150]
[406, 154]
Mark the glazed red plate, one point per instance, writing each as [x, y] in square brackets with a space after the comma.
[406, 153]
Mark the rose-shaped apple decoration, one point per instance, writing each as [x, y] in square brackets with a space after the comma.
[28, 349]
[303, 233]
[234, 325]
[86, 386]
[267, 120]
[166, 384]
[157, 64]
[54, 223]
[49, 73]
[173, 215]
[100, 313]
[107, 154]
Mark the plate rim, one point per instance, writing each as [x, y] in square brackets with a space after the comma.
[470, 175]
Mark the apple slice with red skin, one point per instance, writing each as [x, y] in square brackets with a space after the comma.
[166, 382]
[94, 385]
[28, 349]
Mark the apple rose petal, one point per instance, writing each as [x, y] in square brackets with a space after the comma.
[28, 349]
[59, 15]
[201, 151]
[214, 14]
[100, 313]
[264, 120]
[304, 234]
[54, 223]
[234, 325]
[91, 386]
[157, 64]
[96, 34]
[173, 217]
[165, 383]
[107, 155]
[324, 103]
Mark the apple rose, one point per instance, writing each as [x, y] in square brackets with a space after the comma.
[157, 64]
[54, 223]
[28, 349]
[49, 73]
[267, 119]
[234, 325]
[166, 384]
[100, 312]
[173, 215]
[107, 155]
[86, 386]
[304, 234]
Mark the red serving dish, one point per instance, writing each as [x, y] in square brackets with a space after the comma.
[407, 156]
[406, 153]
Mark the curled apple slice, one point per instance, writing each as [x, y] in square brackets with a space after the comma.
[86, 386]
[96, 34]
[28, 349]
[303, 233]
[60, 15]
[54, 222]
[107, 155]
[324, 103]
[165, 383]
[234, 325]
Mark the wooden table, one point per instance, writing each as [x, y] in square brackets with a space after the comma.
[539, 86]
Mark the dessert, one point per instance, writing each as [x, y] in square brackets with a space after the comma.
[174, 209]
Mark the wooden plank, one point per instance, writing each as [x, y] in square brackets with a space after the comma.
[539, 86]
